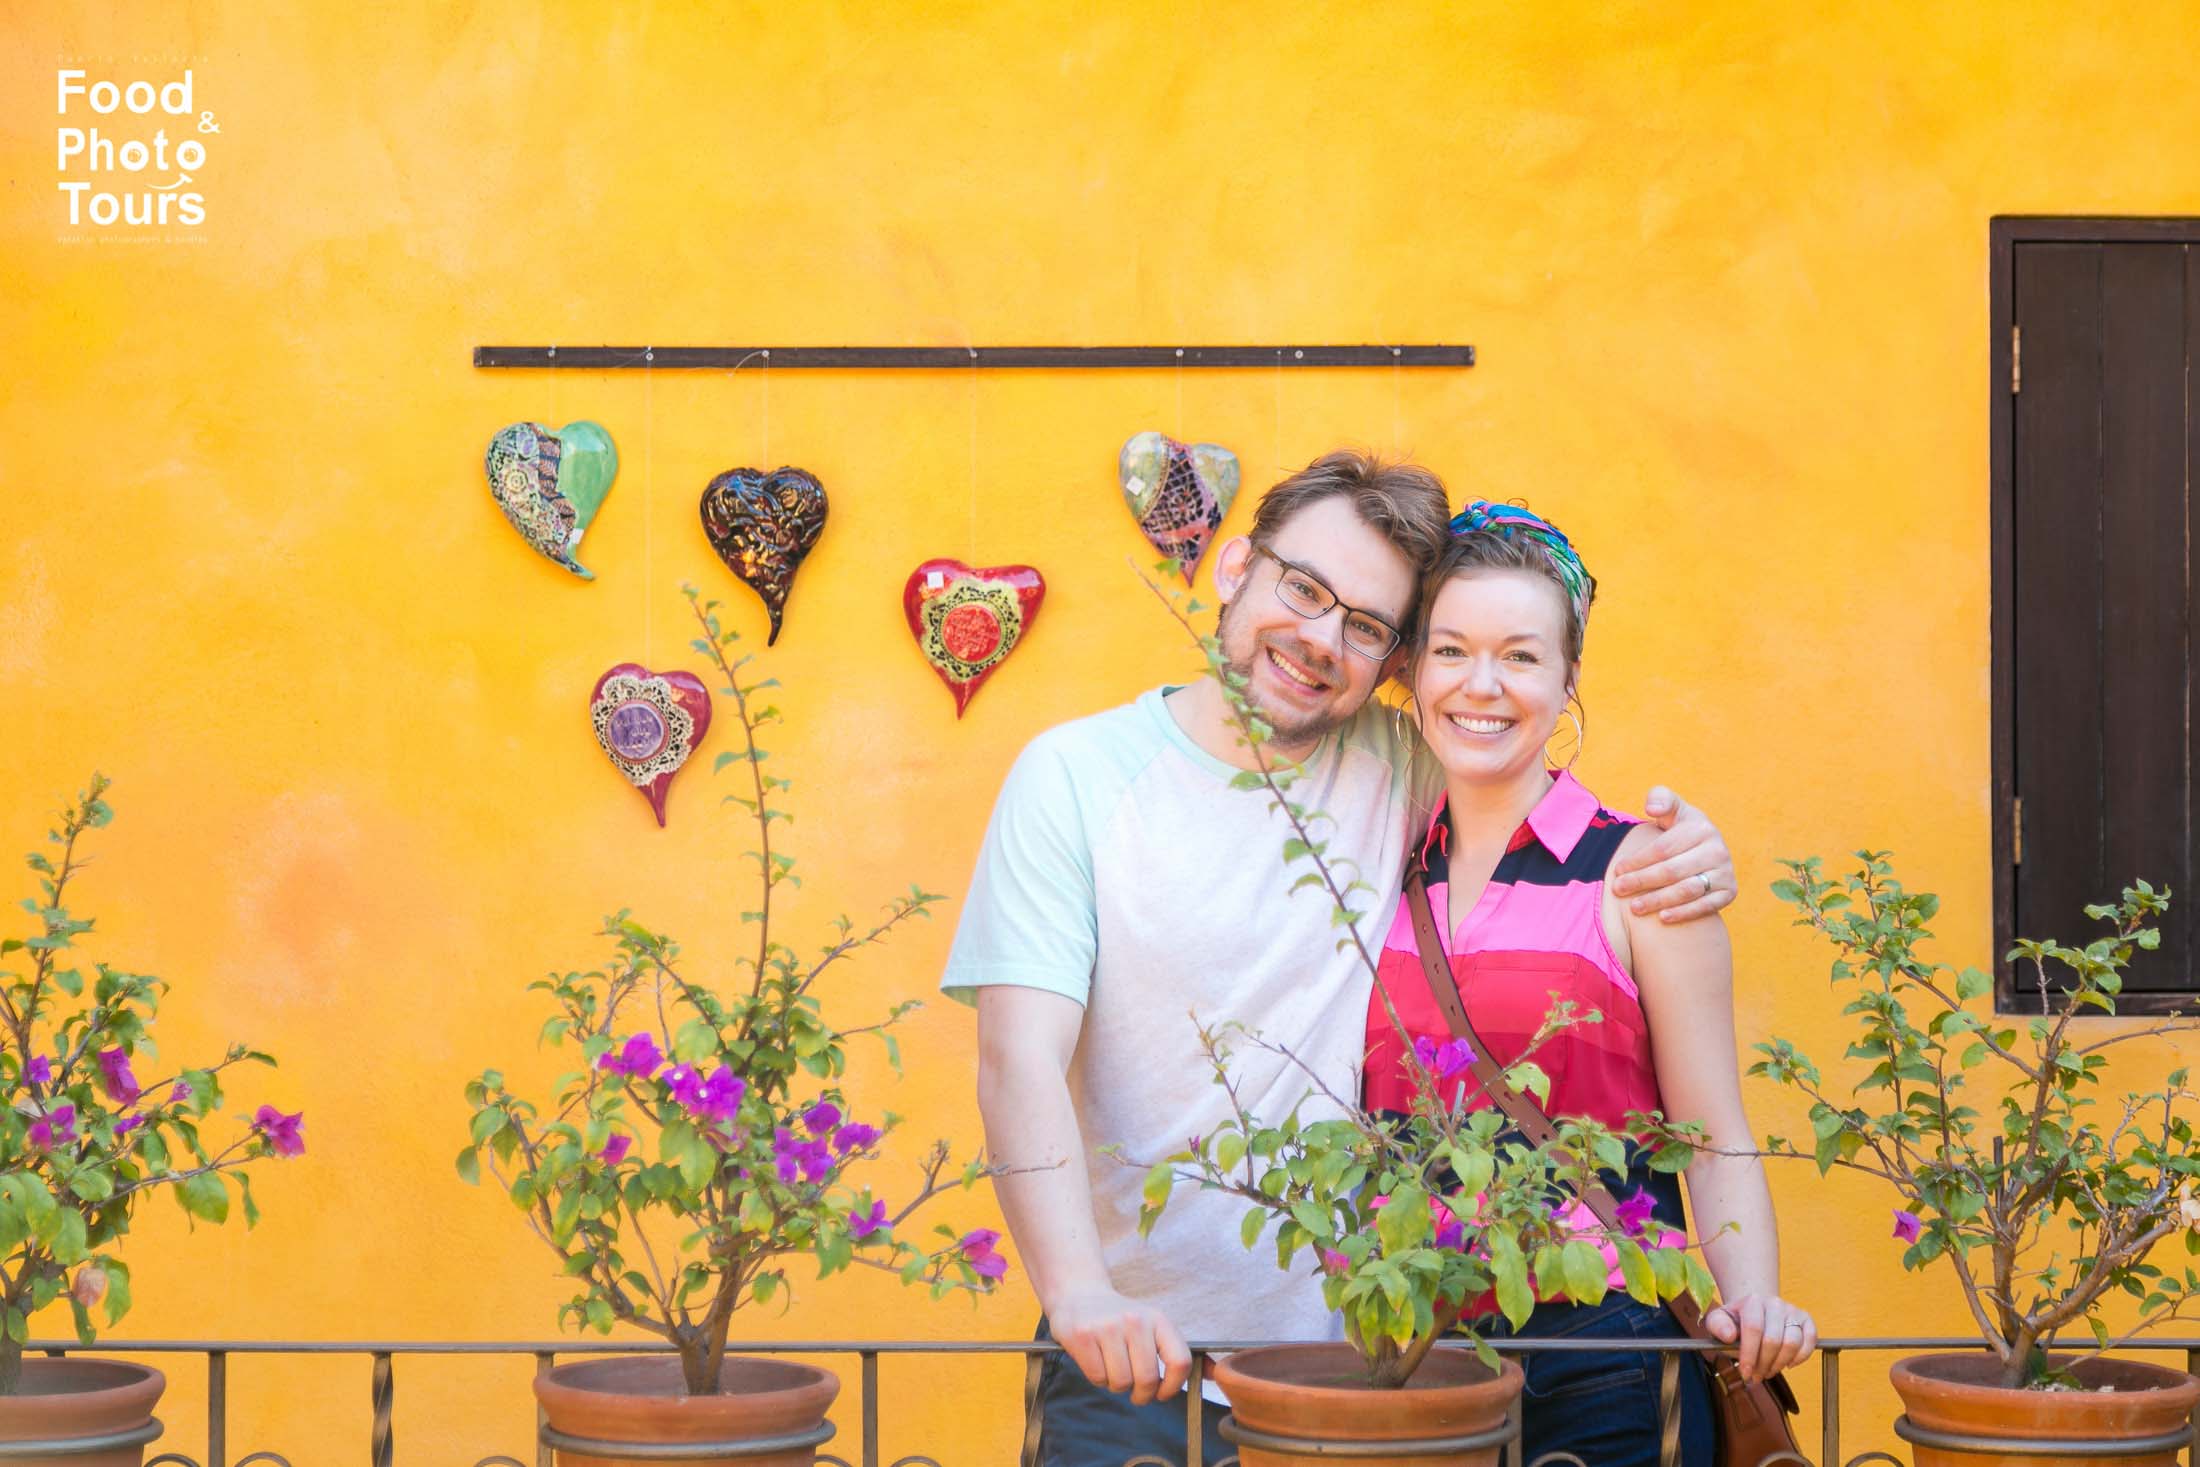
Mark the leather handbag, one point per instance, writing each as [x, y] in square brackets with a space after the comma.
[1752, 1415]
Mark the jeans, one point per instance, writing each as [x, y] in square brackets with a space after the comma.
[1602, 1405]
[1084, 1425]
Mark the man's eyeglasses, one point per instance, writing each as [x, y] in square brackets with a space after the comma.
[1303, 592]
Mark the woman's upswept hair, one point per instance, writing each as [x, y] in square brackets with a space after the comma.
[1486, 536]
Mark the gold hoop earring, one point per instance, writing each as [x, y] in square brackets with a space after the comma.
[1581, 734]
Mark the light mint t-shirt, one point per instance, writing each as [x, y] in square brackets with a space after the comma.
[1122, 870]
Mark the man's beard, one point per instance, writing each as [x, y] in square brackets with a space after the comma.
[1291, 729]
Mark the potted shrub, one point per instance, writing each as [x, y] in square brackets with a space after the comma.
[1414, 1228]
[701, 1146]
[2009, 1163]
[82, 1141]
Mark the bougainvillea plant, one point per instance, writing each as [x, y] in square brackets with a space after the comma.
[1414, 1223]
[2044, 1199]
[83, 1138]
[704, 1141]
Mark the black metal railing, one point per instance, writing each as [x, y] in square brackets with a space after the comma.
[382, 1392]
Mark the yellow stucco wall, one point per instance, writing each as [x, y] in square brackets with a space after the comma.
[1725, 265]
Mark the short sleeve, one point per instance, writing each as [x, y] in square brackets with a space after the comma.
[1030, 919]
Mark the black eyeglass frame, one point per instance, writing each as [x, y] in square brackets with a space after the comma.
[1334, 602]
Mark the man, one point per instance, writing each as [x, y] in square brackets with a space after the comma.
[1124, 886]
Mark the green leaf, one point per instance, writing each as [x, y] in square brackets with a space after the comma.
[1315, 1218]
[1403, 1221]
[1701, 1286]
[91, 1184]
[1159, 1179]
[1511, 1271]
[1229, 1150]
[568, 1214]
[1473, 1168]
[1249, 1231]
[1584, 1271]
[68, 1244]
[1529, 1076]
[469, 1166]
[204, 1196]
[1971, 983]
[1642, 1282]
[118, 1288]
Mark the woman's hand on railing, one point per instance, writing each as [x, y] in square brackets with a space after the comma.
[1769, 1333]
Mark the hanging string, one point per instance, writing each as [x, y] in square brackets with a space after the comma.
[1397, 410]
[765, 428]
[971, 549]
[1179, 429]
[649, 480]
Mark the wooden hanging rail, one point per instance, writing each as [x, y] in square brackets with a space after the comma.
[850, 358]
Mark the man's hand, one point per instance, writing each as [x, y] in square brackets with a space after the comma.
[1121, 1344]
[1686, 872]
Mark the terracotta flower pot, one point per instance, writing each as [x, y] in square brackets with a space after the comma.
[642, 1400]
[1955, 1395]
[1290, 1402]
[72, 1399]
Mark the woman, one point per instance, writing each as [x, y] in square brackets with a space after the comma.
[1514, 863]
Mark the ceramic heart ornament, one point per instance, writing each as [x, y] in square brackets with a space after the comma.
[649, 723]
[550, 485]
[1178, 493]
[762, 525]
[966, 621]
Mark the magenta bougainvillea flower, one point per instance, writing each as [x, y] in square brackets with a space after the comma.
[614, 1151]
[976, 1247]
[855, 1136]
[1634, 1212]
[1332, 1261]
[126, 1125]
[1907, 1225]
[39, 1071]
[811, 1161]
[282, 1132]
[862, 1225]
[57, 1127]
[720, 1096]
[1443, 1060]
[115, 1077]
[181, 1095]
[1451, 1233]
[685, 1085]
[821, 1117]
[638, 1058]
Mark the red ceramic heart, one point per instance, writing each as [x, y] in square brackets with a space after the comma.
[650, 723]
[967, 620]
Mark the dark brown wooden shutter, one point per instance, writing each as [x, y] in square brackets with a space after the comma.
[2093, 586]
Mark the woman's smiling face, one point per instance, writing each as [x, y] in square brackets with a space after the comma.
[1493, 677]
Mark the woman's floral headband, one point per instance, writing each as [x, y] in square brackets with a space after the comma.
[1514, 522]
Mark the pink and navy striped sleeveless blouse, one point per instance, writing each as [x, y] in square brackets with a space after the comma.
[1537, 931]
